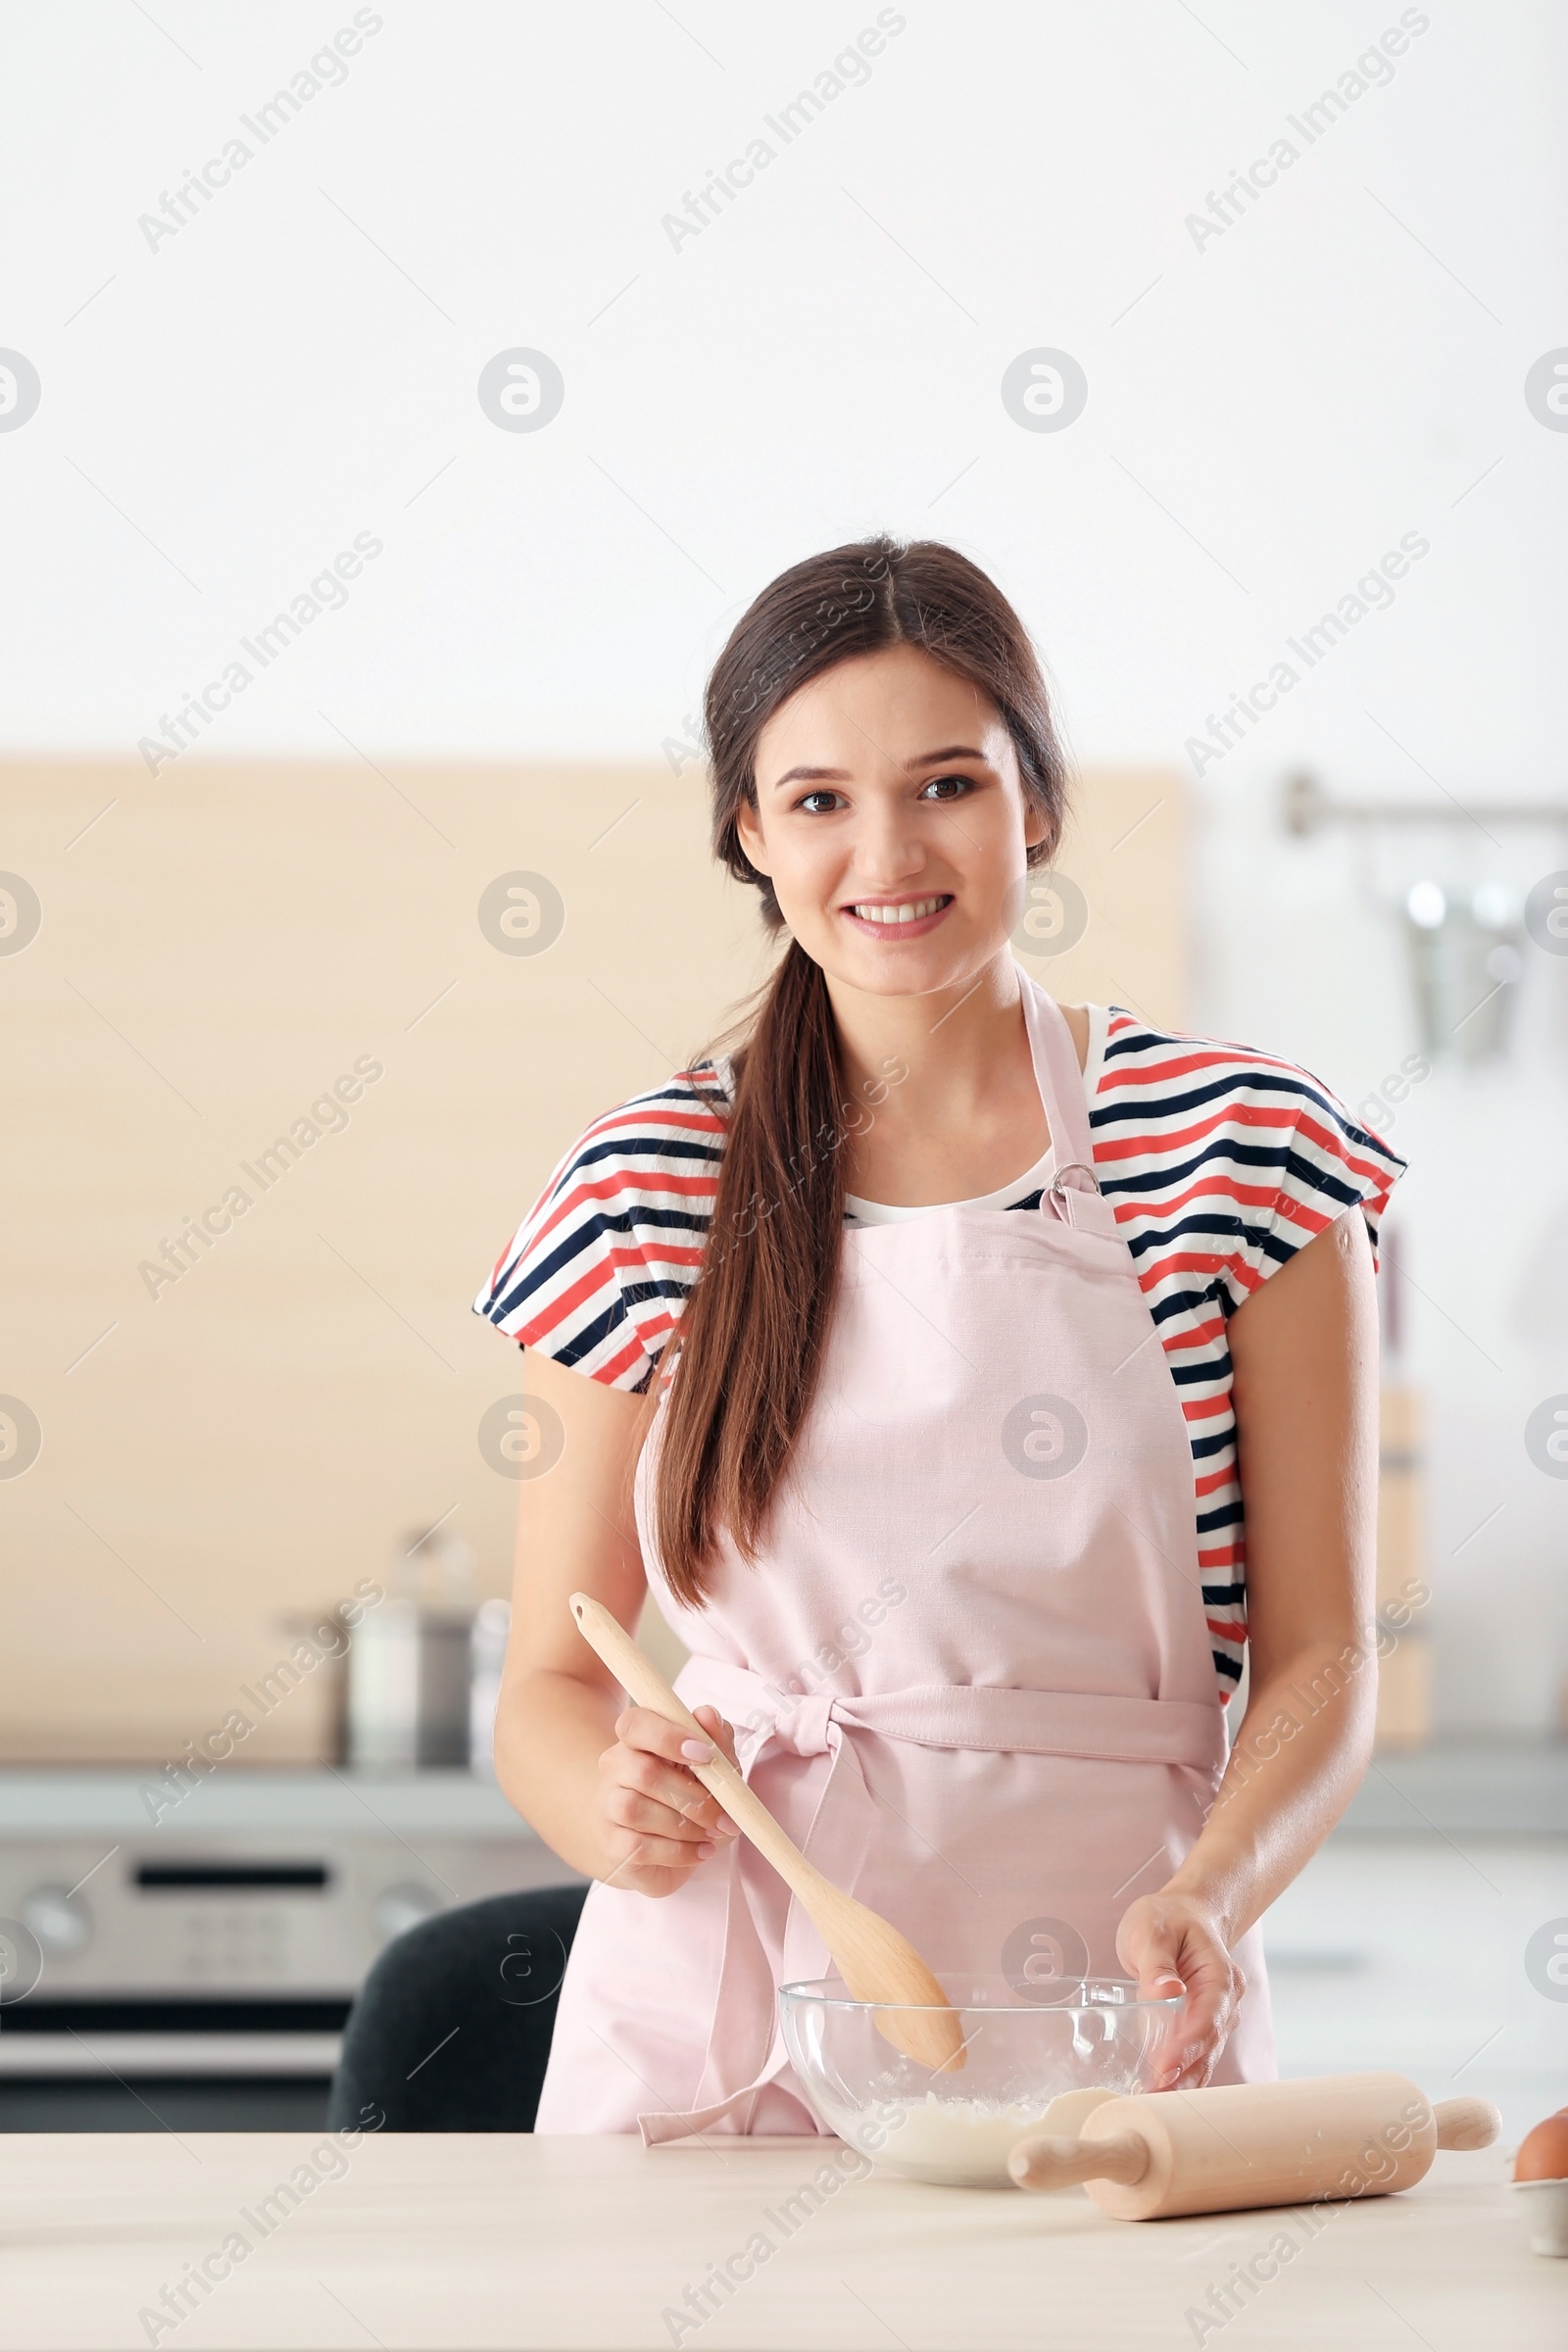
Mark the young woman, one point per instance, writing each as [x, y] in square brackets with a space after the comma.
[916, 1355]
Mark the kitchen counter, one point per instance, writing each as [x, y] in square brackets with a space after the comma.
[1497, 1787]
[51, 1803]
[570, 2244]
[1505, 1787]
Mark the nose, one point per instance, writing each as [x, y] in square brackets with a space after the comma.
[888, 853]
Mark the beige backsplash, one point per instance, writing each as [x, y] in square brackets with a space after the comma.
[220, 948]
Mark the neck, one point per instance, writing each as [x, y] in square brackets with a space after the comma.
[960, 1046]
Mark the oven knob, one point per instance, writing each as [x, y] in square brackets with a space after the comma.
[403, 1907]
[21, 1961]
[62, 1924]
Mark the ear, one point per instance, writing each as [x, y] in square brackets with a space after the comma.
[749, 833]
[1036, 824]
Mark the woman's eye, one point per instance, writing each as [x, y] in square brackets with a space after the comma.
[808, 797]
[948, 788]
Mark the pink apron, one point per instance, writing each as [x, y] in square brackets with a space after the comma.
[971, 1673]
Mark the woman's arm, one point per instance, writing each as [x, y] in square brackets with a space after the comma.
[605, 1785]
[1304, 1361]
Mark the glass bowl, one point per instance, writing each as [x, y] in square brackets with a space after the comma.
[957, 2129]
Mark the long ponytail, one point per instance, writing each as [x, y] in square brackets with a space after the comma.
[750, 1341]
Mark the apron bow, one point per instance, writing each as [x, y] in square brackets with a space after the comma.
[763, 1718]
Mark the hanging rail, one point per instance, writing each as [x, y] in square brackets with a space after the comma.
[1308, 808]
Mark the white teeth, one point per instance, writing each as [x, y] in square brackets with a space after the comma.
[910, 913]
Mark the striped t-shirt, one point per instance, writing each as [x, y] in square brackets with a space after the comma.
[1220, 1162]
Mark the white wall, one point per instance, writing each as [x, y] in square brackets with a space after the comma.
[298, 364]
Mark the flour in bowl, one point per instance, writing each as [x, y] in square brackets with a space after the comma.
[958, 2143]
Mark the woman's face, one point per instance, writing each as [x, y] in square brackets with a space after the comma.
[892, 821]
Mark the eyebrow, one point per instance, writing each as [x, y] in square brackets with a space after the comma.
[840, 775]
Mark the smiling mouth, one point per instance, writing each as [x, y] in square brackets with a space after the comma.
[891, 915]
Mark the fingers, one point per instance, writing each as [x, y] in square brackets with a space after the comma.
[655, 1761]
[649, 1850]
[723, 1733]
[656, 1735]
[655, 1848]
[1157, 1949]
[1200, 2031]
[646, 1817]
[1195, 2067]
[663, 1823]
[1158, 1981]
[725, 1737]
[1191, 2060]
[642, 1795]
[1173, 1946]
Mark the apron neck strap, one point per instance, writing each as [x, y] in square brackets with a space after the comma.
[1056, 1075]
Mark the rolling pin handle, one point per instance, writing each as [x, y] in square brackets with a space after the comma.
[1046, 2161]
[1466, 2122]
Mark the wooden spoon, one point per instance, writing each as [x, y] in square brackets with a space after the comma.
[875, 1961]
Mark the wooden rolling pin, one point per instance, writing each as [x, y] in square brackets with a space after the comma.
[1254, 2143]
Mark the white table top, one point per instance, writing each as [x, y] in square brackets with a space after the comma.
[581, 2244]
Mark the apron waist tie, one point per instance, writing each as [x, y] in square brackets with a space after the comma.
[990, 1718]
[1049, 1722]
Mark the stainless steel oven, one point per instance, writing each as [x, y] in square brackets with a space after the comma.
[221, 1937]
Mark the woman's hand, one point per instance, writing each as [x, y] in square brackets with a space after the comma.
[1172, 1943]
[658, 1822]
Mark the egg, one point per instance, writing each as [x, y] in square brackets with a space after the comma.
[1543, 2152]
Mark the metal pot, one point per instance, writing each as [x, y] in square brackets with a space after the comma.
[408, 1687]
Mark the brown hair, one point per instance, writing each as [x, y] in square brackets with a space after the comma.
[750, 1336]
